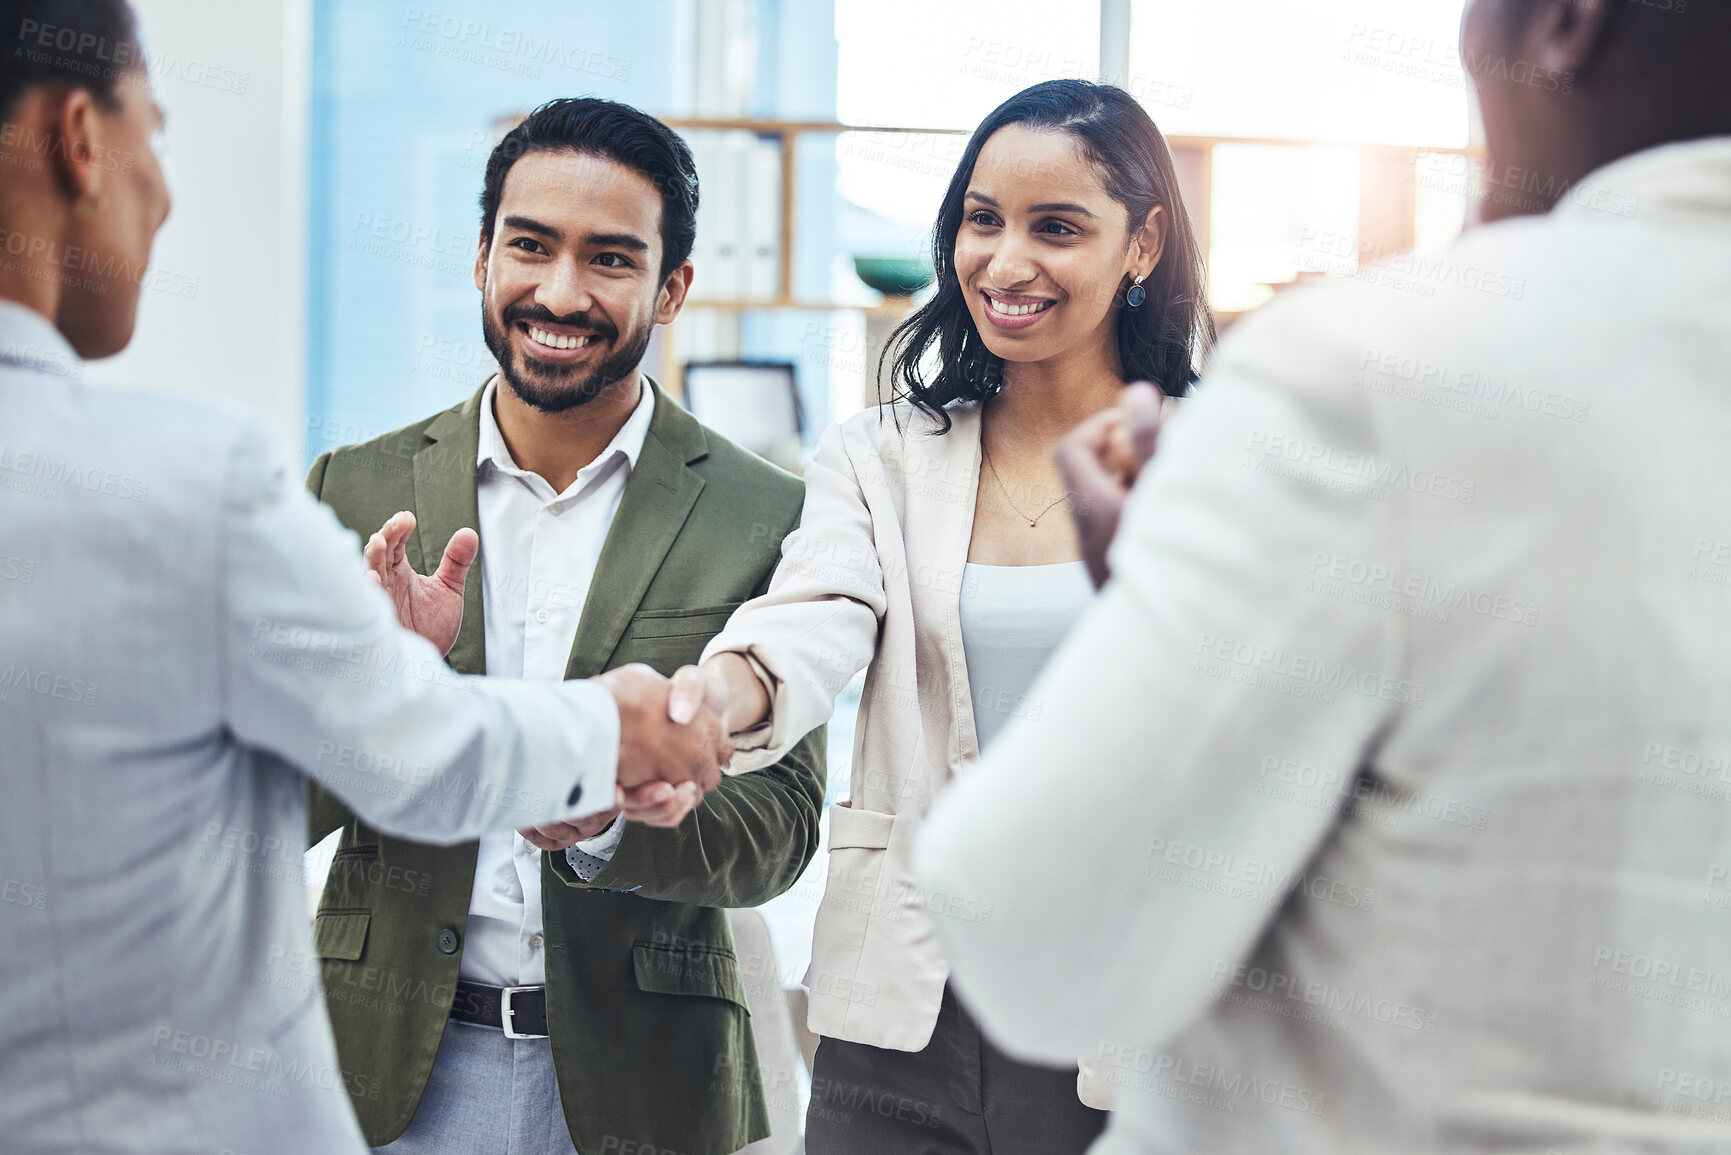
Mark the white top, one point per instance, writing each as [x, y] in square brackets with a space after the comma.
[538, 554]
[1397, 746]
[186, 637]
[1013, 618]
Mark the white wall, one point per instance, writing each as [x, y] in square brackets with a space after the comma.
[234, 79]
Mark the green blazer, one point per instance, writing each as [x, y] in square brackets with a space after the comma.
[645, 1005]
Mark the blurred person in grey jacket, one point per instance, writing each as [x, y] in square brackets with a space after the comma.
[1395, 744]
[185, 638]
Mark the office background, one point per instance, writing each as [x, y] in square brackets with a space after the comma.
[327, 158]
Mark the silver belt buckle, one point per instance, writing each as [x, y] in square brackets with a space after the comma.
[507, 1014]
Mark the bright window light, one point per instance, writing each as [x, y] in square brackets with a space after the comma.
[1280, 214]
[1351, 71]
[947, 63]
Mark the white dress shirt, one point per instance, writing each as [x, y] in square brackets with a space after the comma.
[538, 554]
[1395, 752]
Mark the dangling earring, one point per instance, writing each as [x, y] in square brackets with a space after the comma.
[88, 206]
[1136, 294]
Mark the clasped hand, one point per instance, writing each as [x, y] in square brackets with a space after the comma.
[665, 766]
[1101, 459]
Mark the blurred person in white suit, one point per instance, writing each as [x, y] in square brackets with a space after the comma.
[1395, 811]
[185, 638]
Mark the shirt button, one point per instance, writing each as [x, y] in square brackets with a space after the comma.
[555, 510]
[535, 940]
[447, 941]
[541, 616]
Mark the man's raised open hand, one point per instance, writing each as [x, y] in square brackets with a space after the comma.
[430, 606]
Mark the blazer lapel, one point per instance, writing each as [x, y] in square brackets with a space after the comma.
[658, 498]
[445, 501]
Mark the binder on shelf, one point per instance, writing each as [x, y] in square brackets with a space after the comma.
[760, 221]
[737, 254]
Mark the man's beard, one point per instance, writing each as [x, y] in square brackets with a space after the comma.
[554, 388]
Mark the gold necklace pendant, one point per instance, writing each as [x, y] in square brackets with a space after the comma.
[1033, 522]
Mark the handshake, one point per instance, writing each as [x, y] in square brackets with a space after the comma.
[671, 747]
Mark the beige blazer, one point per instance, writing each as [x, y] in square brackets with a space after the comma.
[872, 579]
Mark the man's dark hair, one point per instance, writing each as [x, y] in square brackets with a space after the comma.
[88, 44]
[1163, 341]
[616, 132]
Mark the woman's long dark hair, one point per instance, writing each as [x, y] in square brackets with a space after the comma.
[1162, 341]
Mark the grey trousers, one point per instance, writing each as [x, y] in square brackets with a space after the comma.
[959, 1096]
[488, 1095]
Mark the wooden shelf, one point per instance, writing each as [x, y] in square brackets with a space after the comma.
[892, 305]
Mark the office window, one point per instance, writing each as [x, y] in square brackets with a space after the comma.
[1350, 71]
[1340, 114]
[946, 65]
[1280, 214]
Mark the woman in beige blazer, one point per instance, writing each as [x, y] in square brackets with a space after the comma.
[932, 552]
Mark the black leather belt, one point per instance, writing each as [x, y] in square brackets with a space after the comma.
[521, 1012]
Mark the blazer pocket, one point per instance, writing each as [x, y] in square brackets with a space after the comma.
[854, 829]
[703, 623]
[341, 934]
[667, 970]
[854, 896]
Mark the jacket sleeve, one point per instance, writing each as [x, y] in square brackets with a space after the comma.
[325, 812]
[747, 842]
[319, 674]
[817, 626]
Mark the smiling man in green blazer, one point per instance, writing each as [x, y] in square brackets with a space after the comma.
[567, 988]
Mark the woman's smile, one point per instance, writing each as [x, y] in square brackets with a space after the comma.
[1014, 311]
